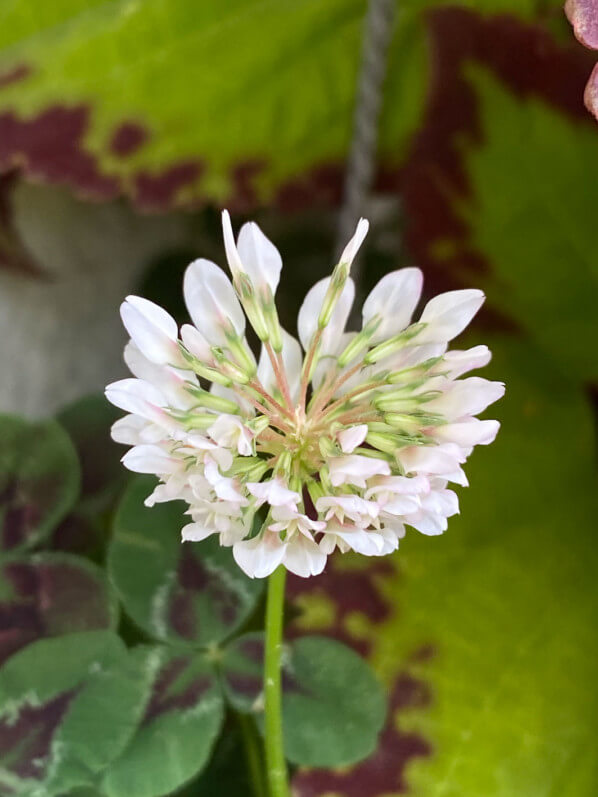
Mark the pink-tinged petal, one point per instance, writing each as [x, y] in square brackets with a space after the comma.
[230, 432]
[456, 363]
[590, 96]
[292, 359]
[367, 543]
[441, 460]
[273, 492]
[136, 396]
[351, 249]
[260, 556]
[469, 433]
[583, 16]
[170, 381]
[128, 430]
[152, 328]
[196, 532]
[466, 397]
[447, 315]
[394, 299]
[150, 459]
[303, 557]
[356, 469]
[212, 302]
[195, 342]
[260, 258]
[352, 437]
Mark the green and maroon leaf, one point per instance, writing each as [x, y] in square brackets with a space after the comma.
[39, 481]
[88, 423]
[179, 727]
[333, 706]
[191, 593]
[505, 138]
[480, 625]
[49, 594]
[68, 706]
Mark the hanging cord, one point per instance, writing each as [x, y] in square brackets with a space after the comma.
[361, 163]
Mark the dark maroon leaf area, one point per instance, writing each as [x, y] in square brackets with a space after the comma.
[128, 138]
[22, 510]
[530, 63]
[25, 743]
[48, 599]
[195, 580]
[352, 591]
[177, 687]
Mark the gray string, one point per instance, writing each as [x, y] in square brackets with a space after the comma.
[361, 163]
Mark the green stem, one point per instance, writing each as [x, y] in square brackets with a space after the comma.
[276, 767]
[253, 755]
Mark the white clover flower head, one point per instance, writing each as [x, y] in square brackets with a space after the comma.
[336, 441]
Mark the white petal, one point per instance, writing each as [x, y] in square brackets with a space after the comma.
[457, 363]
[367, 543]
[152, 328]
[352, 437]
[466, 397]
[351, 249]
[303, 557]
[260, 556]
[128, 430]
[211, 301]
[196, 343]
[170, 381]
[448, 314]
[307, 321]
[442, 459]
[150, 459]
[292, 359]
[394, 298]
[196, 532]
[136, 396]
[356, 469]
[232, 255]
[469, 433]
[273, 492]
[260, 258]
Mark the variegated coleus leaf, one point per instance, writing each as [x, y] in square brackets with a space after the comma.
[172, 104]
[505, 138]
[68, 707]
[179, 725]
[486, 639]
[179, 593]
[50, 594]
[39, 481]
[333, 706]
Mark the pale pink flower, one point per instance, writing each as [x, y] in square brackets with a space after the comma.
[336, 441]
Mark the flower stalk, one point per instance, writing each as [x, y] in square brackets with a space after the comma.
[276, 767]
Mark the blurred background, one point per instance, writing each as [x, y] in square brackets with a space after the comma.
[460, 131]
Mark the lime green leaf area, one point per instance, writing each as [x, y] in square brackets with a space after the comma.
[487, 635]
[173, 101]
[535, 188]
